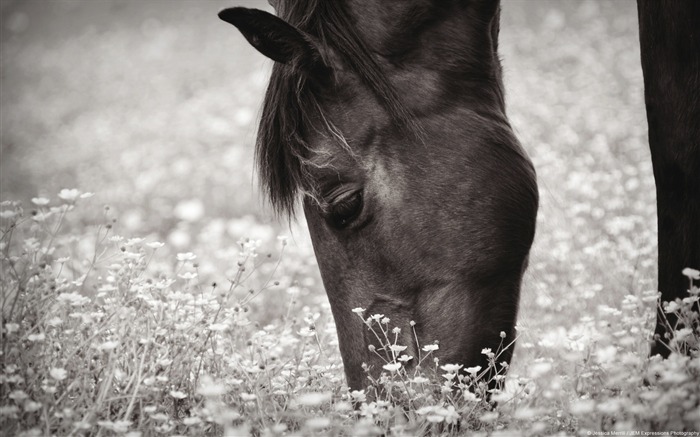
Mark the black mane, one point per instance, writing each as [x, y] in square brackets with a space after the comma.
[290, 104]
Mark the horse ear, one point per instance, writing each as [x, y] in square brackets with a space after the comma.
[272, 36]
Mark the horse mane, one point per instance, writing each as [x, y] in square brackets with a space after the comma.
[282, 153]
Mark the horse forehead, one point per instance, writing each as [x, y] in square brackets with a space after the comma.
[420, 87]
[387, 178]
[381, 166]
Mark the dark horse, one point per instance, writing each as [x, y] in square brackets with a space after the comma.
[669, 33]
[388, 118]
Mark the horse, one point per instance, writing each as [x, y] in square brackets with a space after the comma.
[670, 47]
[387, 120]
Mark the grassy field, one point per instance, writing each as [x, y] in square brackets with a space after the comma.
[146, 287]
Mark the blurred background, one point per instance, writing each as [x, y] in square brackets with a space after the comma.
[150, 104]
[153, 106]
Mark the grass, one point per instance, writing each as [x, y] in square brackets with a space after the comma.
[121, 336]
[223, 328]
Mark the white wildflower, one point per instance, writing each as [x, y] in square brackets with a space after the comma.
[189, 210]
[435, 418]
[36, 337]
[187, 256]
[18, 395]
[108, 345]
[193, 420]
[314, 399]
[307, 332]
[671, 307]
[470, 397]
[540, 369]
[606, 354]
[118, 426]
[341, 406]
[451, 368]
[69, 195]
[392, 367]
[8, 410]
[248, 397]
[318, 422]
[209, 387]
[489, 417]
[692, 273]
[358, 395]
[58, 373]
[450, 414]
[525, 413]
[473, 370]
[160, 417]
[31, 406]
[609, 406]
[681, 334]
[73, 299]
[582, 407]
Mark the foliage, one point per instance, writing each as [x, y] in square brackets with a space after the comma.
[129, 341]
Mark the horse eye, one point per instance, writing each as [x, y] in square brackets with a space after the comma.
[344, 210]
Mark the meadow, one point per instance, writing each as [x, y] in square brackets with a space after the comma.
[147, 289]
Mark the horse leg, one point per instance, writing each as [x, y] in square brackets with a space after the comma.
[669, 33]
